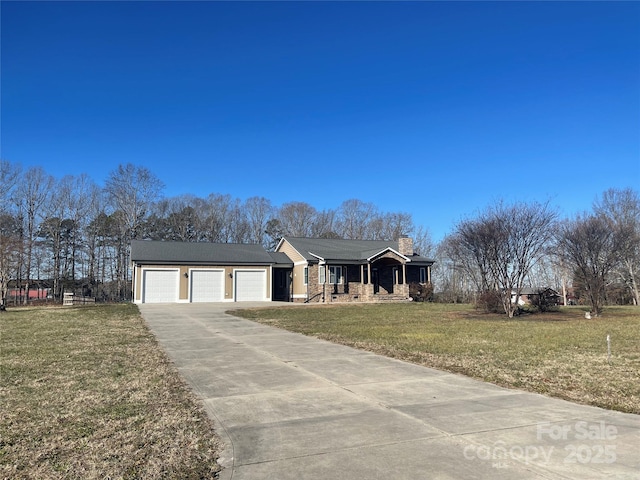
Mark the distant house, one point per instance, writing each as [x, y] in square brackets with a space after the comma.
[300, 270]
[530, 295]
[35, 293]
[337, 270]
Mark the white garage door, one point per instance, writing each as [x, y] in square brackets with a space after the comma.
[251, 285]
[207, 285]
[160, 286]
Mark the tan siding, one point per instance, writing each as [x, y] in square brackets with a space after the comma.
[299, 288]
[136, 289]
[291, 252]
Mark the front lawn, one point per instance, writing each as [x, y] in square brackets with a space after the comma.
[86, 392]
[557, 354]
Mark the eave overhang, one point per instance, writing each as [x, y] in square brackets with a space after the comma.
[203, 264]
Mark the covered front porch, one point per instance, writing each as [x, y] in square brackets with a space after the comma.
[378, 280]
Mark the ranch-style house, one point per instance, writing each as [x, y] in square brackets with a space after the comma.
[300, 270]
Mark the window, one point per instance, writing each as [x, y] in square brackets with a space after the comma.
[306, 275]
[335, 274]
[323, 274]
[423, 275]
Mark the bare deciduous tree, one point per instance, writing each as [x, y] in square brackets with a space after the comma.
[391, 226]
[502, 245]
[466, 248]
[95, 244]
[354, 219]
[423, 243]
[258, 211]
[9, 177]
[9, 239]
[31, 193]
[131, 190]
[215, 218]
[10, 251]
[622, 209]
[324, 224]
[82, 198]
[589, 244]
[297, 219]
[456, 284]
[176, 219]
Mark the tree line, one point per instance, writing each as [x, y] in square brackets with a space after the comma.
[491, 257]
[71, 234]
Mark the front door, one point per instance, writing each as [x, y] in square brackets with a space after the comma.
[281, 284]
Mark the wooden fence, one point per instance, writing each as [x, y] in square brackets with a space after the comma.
[71, 299]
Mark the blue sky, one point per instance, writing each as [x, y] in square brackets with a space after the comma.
[431, 108]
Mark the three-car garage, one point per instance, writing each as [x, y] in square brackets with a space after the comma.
[180, 272]
[161, 285]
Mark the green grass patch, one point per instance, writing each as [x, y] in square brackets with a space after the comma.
[560, 354]
[86, 392]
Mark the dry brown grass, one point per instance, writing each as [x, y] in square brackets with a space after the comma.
[558, 354]
[87, 393]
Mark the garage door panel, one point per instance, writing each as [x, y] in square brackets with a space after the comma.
[251, 285]
[160, 286]
[207, 285]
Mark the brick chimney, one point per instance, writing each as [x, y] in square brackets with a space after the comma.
[405, 245]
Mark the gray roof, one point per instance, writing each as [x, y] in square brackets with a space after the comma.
[281, 259]
[146, 251]
[336, 249]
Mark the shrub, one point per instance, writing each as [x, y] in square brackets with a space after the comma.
[421, 292]
[544, 302]
[490, 302]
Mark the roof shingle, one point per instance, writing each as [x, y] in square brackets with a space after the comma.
[337, 249]
[146, 251]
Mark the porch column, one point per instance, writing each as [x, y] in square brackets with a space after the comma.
[324, 284]
[404, 273]
[428, 273]
[368, 273]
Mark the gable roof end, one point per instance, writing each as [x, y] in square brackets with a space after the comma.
[388, 249]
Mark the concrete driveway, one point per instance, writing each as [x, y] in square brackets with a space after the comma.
[293, 407]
